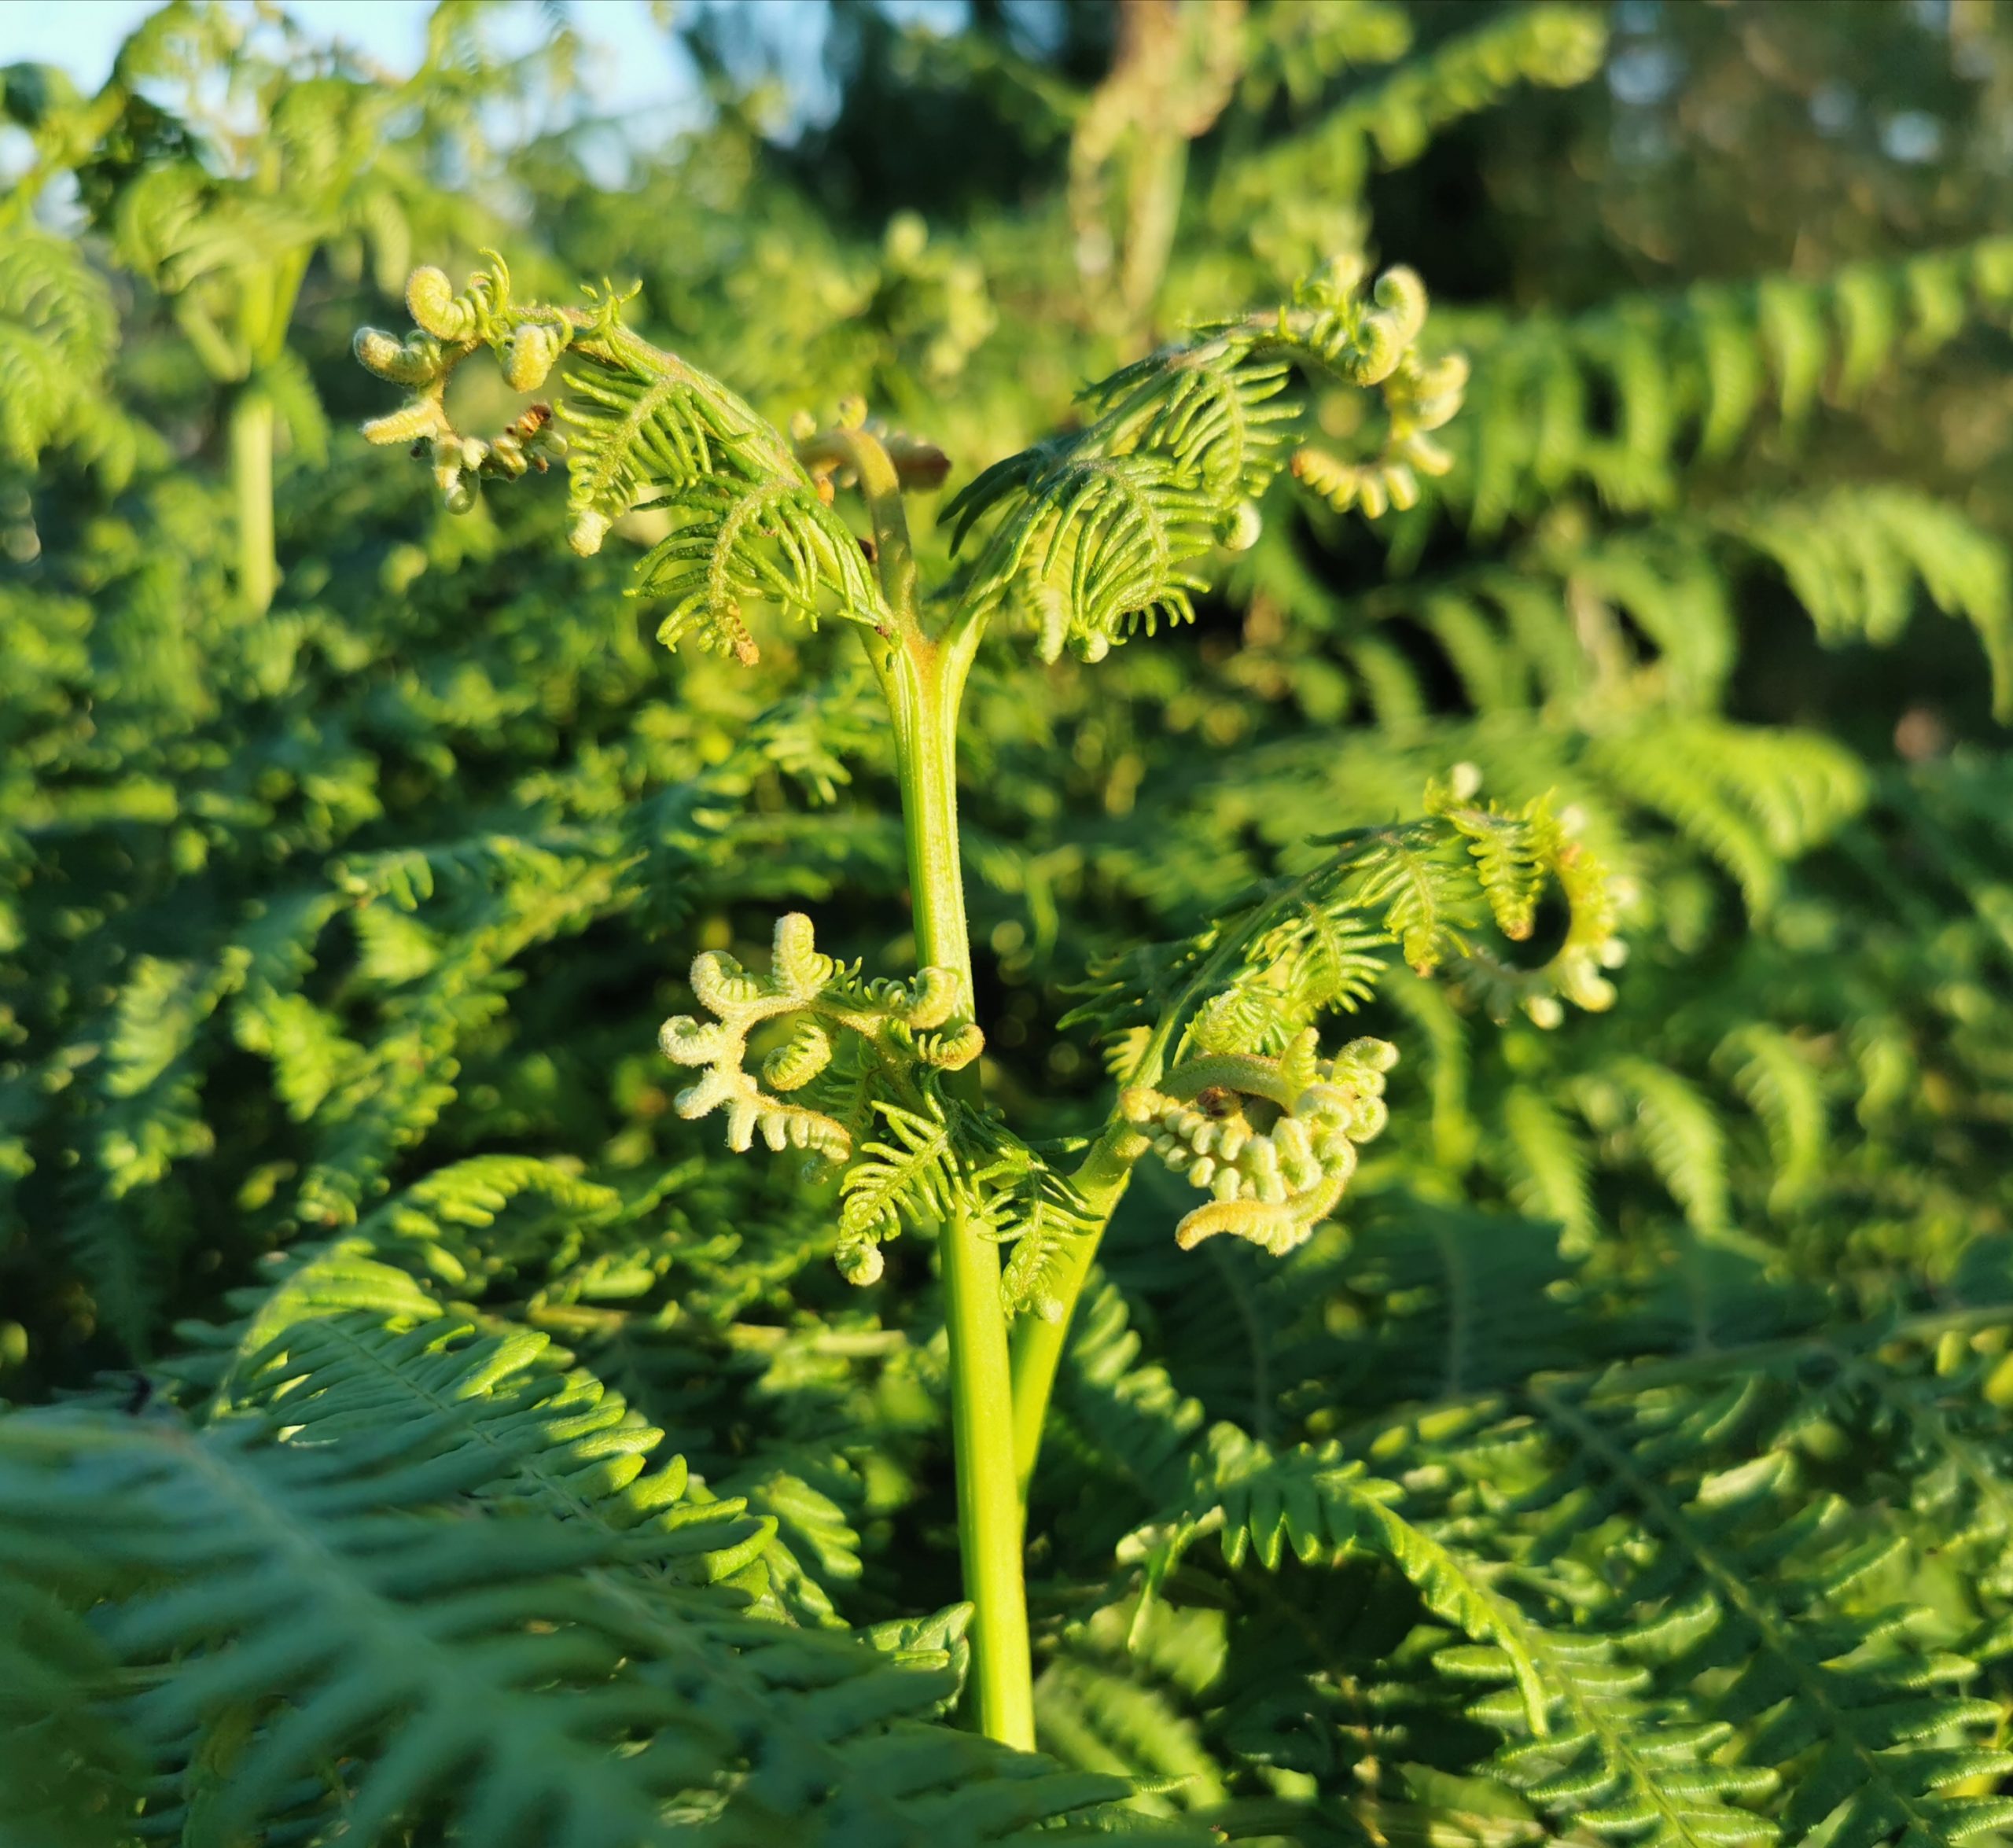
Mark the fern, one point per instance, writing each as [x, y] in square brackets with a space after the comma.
[503, 1710]
[1543, 894]
[1322, 1507]
[58, 328]
[1098, 532]
[1697, 363]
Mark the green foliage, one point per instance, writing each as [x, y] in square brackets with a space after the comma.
[309, 1584]
[419, 1429]
[57, 331]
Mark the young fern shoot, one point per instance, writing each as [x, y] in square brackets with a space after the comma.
[1082, 542]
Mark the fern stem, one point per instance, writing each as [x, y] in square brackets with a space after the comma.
[1100, 1183]
[1038, 1343]
[252, 427]
[989, 1527]
[924, 684]
[923, 681]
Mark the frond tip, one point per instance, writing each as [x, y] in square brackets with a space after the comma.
[1103, 532]
[644, 429]
[1273, 1140]
[870, 1050]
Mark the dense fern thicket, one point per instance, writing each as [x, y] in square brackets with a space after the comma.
[419, 1429]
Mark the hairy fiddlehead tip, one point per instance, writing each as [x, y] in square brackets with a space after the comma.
[1272, 1140]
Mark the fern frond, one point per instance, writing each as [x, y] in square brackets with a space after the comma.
[1102, 532]
[1697, 366]
[1135, 1426]
[316, 1567]
[69, 1776]
[1749, 798]
[1854, 556]
[1550, 1165]
[1253, 981]
[1326, 1508]
[1785, 1089]
[558, 1441]
[1681, 1134]
[910, 1175]
[58, 332]
[645, 430]
[1757, 1662]
[1397, 118]
[1119, 1699]
[775, 542]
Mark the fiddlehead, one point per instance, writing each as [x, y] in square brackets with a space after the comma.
[1216, 1040]
[642, 429]
[1105, 531]
[856, 1080]
[902, 1021]
[1272, 1140]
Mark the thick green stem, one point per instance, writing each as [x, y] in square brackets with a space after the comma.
[924, 678]
[252, 425]
[1100, 1184]
[1038, 1343]
[989, 1524]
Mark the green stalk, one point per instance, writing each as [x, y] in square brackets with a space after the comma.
[924, 679]
[989, 1524]
[252, 427]
[1038, 1343]
[1100, 1184]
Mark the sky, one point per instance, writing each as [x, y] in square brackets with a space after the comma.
[80, 36]
[637, 65]
[638, 74]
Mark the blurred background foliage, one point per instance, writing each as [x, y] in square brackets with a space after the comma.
[350, 850]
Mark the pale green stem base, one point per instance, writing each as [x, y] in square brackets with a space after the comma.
[1037, 1343]
[989, 1522]
[923, 678]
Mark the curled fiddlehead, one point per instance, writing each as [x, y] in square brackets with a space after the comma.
[854, 1078]
[1273, 1141]
[1215, 1039]
[906, 1022]
[1103, 532]
[641, 429]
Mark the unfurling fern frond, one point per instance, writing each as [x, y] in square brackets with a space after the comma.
[1255, 980]
[643, 430]
[1104, 531]
[1219, 1045]
[899, 1020]
[490, 1678]
[1273, 1141]
[867, 1056]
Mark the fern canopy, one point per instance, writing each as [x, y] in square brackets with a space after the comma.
[1337, 768]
